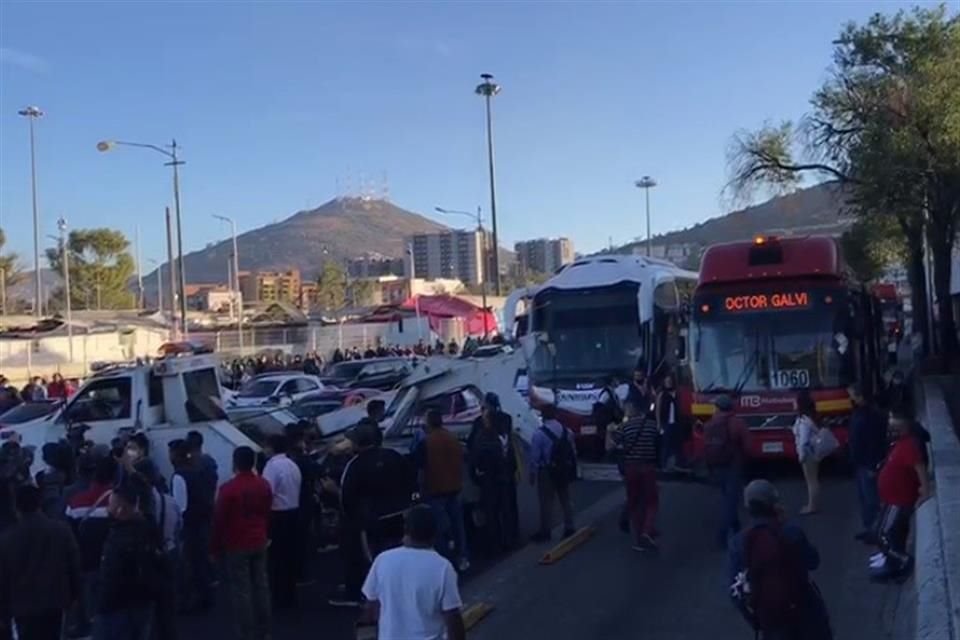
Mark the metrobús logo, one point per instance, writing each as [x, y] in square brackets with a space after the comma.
[768, 402]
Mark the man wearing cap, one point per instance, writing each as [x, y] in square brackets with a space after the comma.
[725, 448]
[774, 557]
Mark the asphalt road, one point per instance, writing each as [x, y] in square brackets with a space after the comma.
[316, 619]
[606, 591]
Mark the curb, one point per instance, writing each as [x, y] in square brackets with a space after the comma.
[937, 544]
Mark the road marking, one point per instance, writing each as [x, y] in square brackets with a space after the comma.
[599, 472]
[567, 545]
[475, 613]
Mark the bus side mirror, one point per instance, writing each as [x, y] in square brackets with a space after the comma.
[681, 351]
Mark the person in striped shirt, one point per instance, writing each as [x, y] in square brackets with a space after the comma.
[638, 440]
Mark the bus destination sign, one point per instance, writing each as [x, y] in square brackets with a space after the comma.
[763, 301]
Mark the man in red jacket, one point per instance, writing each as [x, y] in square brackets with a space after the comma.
[240, 520]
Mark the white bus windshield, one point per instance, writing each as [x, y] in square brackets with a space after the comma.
[591, 334]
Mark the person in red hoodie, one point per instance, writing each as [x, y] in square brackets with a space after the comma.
[57, 389]
[903, 485]
[240, 520]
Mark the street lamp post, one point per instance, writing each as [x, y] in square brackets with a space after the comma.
[485, 259]
[65, 257]
[488, 89]
[235, 283]
[175, 162]
[646, 183]
[32, 113]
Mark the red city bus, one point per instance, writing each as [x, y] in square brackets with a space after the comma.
[772, 317]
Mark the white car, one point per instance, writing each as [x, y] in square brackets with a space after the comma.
[278, 389]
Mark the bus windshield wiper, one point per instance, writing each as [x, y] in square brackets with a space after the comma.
[748, 370]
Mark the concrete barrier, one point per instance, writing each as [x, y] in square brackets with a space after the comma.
[938, 534]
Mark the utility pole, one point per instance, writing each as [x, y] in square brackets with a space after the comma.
[172, 276]
[136, 242]
[174, 162]
[65, 257]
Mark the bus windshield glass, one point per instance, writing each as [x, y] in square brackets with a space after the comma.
[590, 334]
[769, 351]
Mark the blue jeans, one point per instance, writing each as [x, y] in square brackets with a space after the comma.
[448, 510]
[730, 482]
[126, 624]
[869, 499]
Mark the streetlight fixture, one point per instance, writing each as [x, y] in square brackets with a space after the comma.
[235, 285]
[646, 183]
[485, 260]
[32, 113]
[65, 257]
[488, 89]
[175, 162]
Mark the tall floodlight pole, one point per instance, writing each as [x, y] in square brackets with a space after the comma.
[646, 183]
[485, 258]
[32, 113]
[488, 89]
[175, 162]
[235, 282]
[65, 257]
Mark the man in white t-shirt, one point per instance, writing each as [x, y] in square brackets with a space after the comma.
[412, 590]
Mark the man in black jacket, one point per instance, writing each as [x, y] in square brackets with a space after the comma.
[131, 574]
[39, 571]
[376, 487]
[194, 488]
[868, 447]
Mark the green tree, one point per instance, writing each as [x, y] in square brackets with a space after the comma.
[332, 287]
[9, 264]
[361, 292]
[100, 269]
[871, 245]
[886, 125]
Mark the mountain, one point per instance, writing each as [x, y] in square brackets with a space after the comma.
[817, 210]
[340, 229]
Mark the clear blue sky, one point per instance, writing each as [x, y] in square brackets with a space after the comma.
[273, 102]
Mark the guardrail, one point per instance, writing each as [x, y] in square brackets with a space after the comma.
[938, 534]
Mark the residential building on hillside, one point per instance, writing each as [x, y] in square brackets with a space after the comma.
[543, 255]
[373, 265]
[271, 286]
[454, 254]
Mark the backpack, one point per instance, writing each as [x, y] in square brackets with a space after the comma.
[718, 445]
[562, 465]
[773, 592]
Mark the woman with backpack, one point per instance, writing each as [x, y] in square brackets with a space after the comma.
[805, 432]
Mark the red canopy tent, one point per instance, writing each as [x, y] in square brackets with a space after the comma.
[476, 321]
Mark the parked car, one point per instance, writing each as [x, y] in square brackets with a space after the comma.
[314, 405]
[274, 389]
[374, 373]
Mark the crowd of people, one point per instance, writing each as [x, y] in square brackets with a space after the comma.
[38, 389]
[239, 370]
[136, 550]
